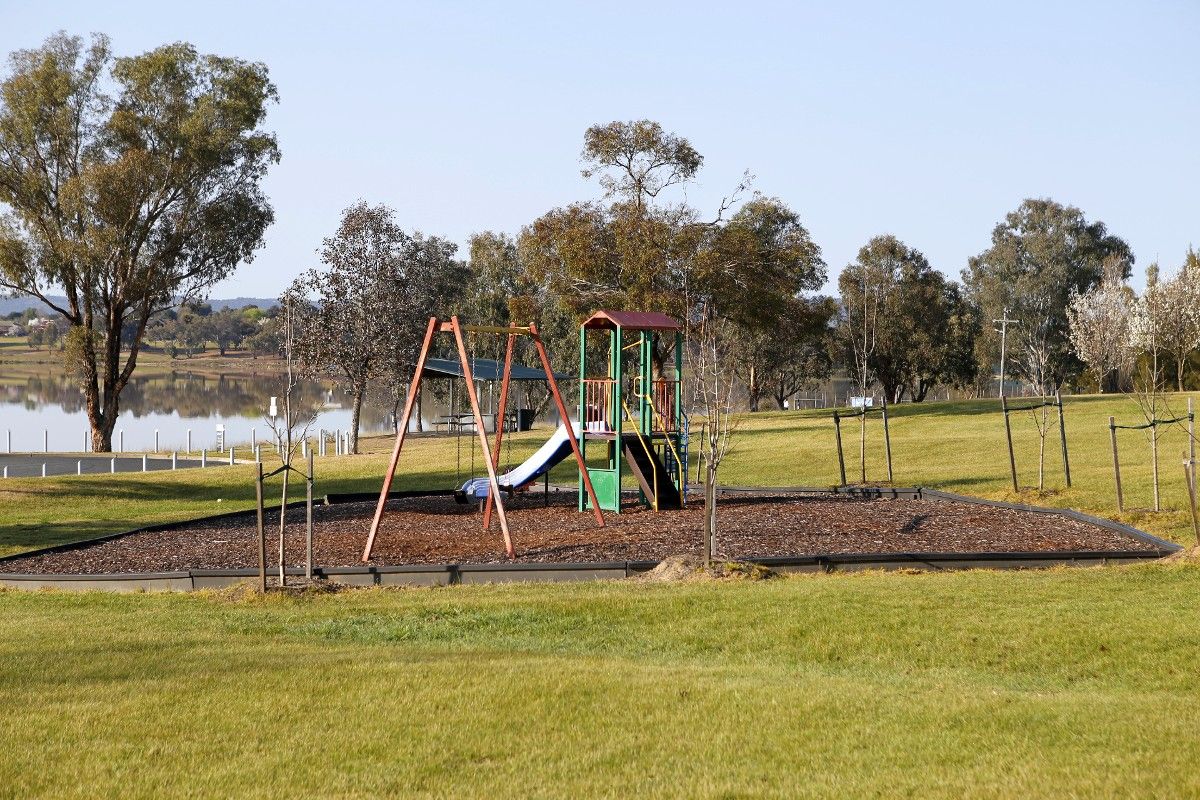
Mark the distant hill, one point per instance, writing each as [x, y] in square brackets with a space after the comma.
[8, 305]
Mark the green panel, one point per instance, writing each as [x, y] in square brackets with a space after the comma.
[608, 489]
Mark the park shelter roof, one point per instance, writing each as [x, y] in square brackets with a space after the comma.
[633, 321]
[485, 369]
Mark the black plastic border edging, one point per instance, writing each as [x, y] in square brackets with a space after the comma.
[454, 573]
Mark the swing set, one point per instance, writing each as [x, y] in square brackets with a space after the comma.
[491, 453]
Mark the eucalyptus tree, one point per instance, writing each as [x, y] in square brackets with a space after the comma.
[757, 269]
[369, 306]
[127, 185]
[1041, 255]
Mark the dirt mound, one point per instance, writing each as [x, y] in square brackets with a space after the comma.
[691, 568]
[1187, 554]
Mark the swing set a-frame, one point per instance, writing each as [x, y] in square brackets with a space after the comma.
[491, 453]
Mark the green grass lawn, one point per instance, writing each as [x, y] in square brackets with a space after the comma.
[1058, 683]
[1061, 683]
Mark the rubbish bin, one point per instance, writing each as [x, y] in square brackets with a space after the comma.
[524, 419]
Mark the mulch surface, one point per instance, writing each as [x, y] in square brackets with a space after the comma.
[437, 530]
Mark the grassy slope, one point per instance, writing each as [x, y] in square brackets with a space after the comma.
[1041, 684]
[956, 446]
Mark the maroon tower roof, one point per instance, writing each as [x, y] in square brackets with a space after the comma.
[633, 321]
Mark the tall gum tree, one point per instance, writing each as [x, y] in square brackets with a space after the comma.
[128, 185]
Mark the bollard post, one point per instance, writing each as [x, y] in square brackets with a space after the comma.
[156, 440]
[43, 469]
[189, 442]
[174, 459]
[6, 471]
[45, 440]
[231, 458]
[121, 447]
[145, 463]
[203, 457]
[79, 467]
[113, 465]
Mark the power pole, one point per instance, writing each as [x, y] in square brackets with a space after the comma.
[1003, 322]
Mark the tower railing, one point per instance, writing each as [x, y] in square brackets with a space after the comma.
[597, 408]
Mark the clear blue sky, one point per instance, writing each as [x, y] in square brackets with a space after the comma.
[926, 120]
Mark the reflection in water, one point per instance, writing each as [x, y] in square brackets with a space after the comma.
[49, 403]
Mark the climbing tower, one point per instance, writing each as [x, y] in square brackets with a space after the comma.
[633, 414]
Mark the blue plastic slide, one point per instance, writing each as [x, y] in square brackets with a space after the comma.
[556, 448]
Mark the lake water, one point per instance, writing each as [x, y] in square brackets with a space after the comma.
[40, 403]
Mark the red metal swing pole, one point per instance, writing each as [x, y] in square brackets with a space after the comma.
[483, 441]
[562, 413]
[413, 388]
[508, 353]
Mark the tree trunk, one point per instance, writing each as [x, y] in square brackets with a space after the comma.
[753, 389]
[1180, 363]
[355, 414]
[862, 445]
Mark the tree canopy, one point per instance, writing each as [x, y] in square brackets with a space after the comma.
[129, 184]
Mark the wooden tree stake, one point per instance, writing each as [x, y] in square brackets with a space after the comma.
[1012, 460]
[837, 426]
[1112, 435]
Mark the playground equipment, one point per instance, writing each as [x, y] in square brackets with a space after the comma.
[637, 417]
[491, 454]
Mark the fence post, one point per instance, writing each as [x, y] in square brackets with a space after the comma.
[1112, 435]
[1012, 460]
[887, 440]
[837, 427]
[1062, 434]
[262, 532]
[258, 454]
[308, 531]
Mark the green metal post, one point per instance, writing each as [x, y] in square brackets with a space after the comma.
[618, 374]
[582, 413]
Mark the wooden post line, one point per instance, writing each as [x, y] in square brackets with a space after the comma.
[1152, 426]
[887, 440]
[490, 457]
[1057, 403]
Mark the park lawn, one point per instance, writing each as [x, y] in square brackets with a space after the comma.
[956, 446]
[1057, 683]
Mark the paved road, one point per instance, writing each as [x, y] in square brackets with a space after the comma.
[25, 465]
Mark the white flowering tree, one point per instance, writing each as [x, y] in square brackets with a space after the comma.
[1099, 321]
